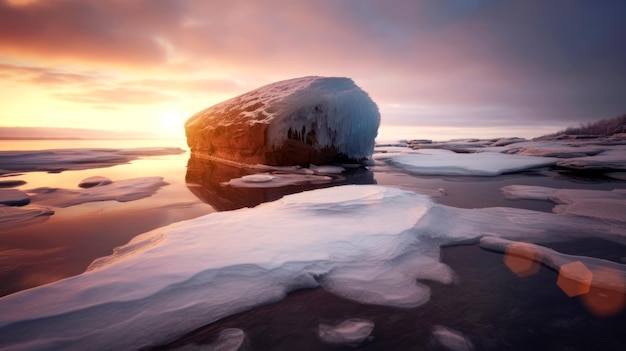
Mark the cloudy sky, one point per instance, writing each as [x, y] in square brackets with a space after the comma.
[437, 69]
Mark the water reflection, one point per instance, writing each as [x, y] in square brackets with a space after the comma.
[207, 179]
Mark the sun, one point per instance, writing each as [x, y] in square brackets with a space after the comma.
[172, 121]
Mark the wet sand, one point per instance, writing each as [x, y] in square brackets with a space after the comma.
[490, 305]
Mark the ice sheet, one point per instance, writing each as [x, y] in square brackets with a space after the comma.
[475, 164]
[369, 243]
[599, 204]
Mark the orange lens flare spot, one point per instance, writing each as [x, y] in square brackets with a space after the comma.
[522, 259]
[574, 279]
[605, 302]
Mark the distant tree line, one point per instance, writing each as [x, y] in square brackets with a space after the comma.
[605, 127]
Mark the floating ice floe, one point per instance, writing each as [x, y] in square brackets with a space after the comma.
[609, 160]
[11, 183]
[14, 217]
[586, 271]
[600, 204]
[230, 339]
[94, 181]
[451, 339]
[352, 331]
[367, 243]
[74, 159]
[475, 164]
[278, 179]
[120, 190]
[13, 197]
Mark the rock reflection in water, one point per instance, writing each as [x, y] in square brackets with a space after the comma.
[208, 180]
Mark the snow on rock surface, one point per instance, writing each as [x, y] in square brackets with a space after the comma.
[13, 197]
[74, 159]
[599, 204]
[474, 164]
[610, 160]
[14, 217]
[451, 339]
[121, 190]
[352, 331]
[368, 243]
[293, 122]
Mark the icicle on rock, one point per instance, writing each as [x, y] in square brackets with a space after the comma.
[301, 121]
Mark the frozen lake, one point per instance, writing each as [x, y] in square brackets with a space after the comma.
[381, 235]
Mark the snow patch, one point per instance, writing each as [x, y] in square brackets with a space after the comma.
[352, 331]
[451, 339]
[13, 197]
[476, 164]
[15, 217]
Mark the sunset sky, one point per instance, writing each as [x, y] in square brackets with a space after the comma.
[437, 69]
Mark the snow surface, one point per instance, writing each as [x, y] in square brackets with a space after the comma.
[337, 111]
[278, 179]
[13, 197]
[351, 331]
[451, 339]
[444, 162]
[94, 181]
[367, 243]
[599, 204]
[74, 159]
[13, 217]
[121, 190]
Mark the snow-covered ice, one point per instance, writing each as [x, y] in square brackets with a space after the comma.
[74, 159]
[278, 179]
[352, 331]
[13, 197]
[451, 339]
[474, 164]
[368, 243]
[94, 181]
[120, 190]
[13, 217]
[609, 160]
[599, 204]
[604, 274]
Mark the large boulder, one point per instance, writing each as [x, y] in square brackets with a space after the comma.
[302, 121]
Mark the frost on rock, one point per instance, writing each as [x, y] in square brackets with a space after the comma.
[368, 243]
[121, 190]
[352, 331]
[299, 121]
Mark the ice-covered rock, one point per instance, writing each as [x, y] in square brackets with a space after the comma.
[599, 204]
[94, 181]
[74, 159]
[352, 331]
[13, 197]
[451, 339]
[299, 121]
[474, 164]
[555, 148]
[120, 190]
[15, 217]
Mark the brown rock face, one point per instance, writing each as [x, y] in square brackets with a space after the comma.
[310, 120]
